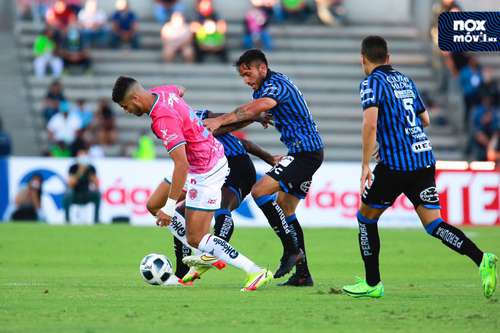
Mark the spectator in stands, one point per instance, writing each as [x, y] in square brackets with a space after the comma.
[105, 124]
[83, 111]
[296, 10]
[210, 32]
[74, 50]
[83, 185]
[60, 15]
[494, 148]
[471, 79]
[256, 23]
[485, 121]
[331, 12]
[177, 38]
[45, 51]
[62, 130]
[74, 5]
[124, 26]
[93, 24]
[51, 103]
[35, 10]
[490, 86]
[28, 201]
[164, 9]
[145, 148]
[5, 142]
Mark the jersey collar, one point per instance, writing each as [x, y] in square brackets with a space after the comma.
[154, 104]
[383, 68]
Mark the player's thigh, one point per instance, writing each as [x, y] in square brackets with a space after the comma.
[287, 202]
[386, 186]
[265, 186]
[427, 215]
[159, 197]
[197, 225]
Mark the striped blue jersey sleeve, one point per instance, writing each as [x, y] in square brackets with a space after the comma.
[275, 90]
[370, 92]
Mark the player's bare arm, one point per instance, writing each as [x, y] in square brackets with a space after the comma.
[369, 134]
[181, 166]
[425, 118]
[249, 111]
[258, 151]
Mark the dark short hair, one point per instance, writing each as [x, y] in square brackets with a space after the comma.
[251, 56]
[374, 48]
[121, 87]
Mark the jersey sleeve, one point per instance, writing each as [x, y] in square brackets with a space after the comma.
[169, 130]
[370, 93]
[276, 91]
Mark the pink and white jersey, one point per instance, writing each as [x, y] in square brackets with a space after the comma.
[176, 124]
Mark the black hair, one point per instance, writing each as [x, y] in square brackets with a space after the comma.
[374, 48]
[251, 56]
[121, 87]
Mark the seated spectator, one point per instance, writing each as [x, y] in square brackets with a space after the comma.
[105, 124]
[124, 26]
[177, 38]
[164, 9]
[86, 115]
[51, 103]
[490, 86]
[210, 32]
[471, 79]
[145, 148]
[331, 12]
[256, 22]
[494, 148]
[45, 51]
[60, 15]
[74, 50]
[83, 185]
[93, 24]
[296, 10]
[485, 122]
[28, 201]
[74, 5]
[63, 128]
[5, 142]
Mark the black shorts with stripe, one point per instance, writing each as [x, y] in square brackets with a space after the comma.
[242, 175]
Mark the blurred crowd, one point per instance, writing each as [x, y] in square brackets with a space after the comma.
[479, 89]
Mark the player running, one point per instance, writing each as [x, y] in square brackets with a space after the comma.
[199, 159]
[291, 177]
[237, 186]
[395, 116]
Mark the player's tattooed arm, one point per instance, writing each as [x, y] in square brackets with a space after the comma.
[258, 151]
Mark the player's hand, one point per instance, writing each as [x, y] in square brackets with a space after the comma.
[277, 159]
[265, 119]
[212, 124]
[366, 178]
[162, 219]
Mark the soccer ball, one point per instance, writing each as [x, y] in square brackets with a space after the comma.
[155, 268]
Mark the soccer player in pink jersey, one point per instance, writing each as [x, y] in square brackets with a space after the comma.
[198, 159]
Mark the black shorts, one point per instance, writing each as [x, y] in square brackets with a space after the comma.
[295, 171]
[419, 186]
[241, 176]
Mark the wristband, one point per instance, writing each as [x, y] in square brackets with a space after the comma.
[169, 207]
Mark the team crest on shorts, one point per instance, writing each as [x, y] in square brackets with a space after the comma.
[193, 194]
[429, 195]
[305, 186]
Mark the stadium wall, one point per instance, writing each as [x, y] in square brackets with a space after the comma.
[469, 194]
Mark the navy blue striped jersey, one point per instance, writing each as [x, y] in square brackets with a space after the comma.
[403, 144]
[291, 115]
[232, 145]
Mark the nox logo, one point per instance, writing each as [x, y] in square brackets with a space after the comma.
[469, 25]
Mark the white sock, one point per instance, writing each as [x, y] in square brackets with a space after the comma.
[225, 252]
[178, 228]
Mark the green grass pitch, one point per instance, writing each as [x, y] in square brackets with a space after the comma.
[86, 279]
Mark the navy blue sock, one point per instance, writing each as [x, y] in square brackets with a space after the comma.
[455, 239]
[181, 251]
[224, 225]
[369, 246]
[276, 218]
[302, 267]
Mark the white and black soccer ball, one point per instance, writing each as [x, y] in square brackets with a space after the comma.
[155, 268]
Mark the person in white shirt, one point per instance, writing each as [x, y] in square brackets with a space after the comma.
[64, 125]
[93, 24]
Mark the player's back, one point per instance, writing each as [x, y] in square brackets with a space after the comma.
[176, 124]
[403, 144]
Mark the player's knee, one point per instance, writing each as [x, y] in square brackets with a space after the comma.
[369, 213]
[257, 191]
[193, 240]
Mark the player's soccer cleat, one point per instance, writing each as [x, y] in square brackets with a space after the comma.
[362, 289]
[257, 280]
[298, 281]
[204, 260]
[174, 281]
[194, 273]
[287, 262]
[488, 273]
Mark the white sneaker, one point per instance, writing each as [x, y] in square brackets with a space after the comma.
[204, 260]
